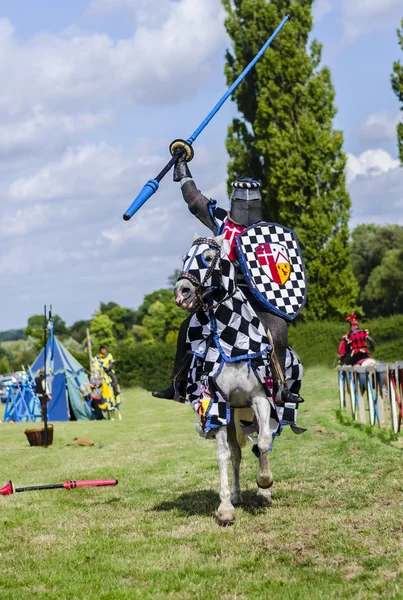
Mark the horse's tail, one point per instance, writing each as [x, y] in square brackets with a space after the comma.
[242, 414]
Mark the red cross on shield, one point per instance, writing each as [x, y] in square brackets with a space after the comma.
[275, 262]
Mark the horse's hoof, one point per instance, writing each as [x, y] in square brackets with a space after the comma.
[236, 499]
[264, 497]
[225, 517]
[265, 482]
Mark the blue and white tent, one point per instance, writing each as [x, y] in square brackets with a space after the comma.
[65, 375]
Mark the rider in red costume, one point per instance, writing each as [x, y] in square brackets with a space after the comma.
[353, 347]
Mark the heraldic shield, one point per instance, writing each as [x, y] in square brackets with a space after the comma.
[270, 257]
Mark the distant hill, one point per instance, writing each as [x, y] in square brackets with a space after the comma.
[11, 335]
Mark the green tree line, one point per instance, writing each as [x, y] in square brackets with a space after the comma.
[134, 336]
[145, 337]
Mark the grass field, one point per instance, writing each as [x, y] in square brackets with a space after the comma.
[334, 529]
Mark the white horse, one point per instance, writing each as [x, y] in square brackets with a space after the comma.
[208, 282]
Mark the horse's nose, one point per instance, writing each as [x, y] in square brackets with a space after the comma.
[182, 293]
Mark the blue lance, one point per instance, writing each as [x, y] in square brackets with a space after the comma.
[178, 147]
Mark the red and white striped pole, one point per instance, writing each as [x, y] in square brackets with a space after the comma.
[71, 484]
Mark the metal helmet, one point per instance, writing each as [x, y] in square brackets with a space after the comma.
[246, 202]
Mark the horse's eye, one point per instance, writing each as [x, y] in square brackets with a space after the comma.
[209, 259]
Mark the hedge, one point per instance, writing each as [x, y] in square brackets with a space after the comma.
[145, 364]
[317, 343]
[149, 365]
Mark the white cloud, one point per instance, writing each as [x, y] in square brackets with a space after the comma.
[86, 171]
[379, 127]
[364, 16]
[320, 9]
[370, 163]
[375, 182]
[219, 190]
[151, 66]
[63, 190]
[149, 225]
[62, 234]
[48, 131]
[24, 221]
[104, 7]
[61, 86]
[360, 17]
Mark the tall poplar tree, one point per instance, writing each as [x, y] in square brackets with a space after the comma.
[284, 137]
[397, 85]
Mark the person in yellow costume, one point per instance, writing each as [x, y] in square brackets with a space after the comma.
[101, 386]
[106, 361]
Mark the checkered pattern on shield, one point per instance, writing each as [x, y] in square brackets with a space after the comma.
[270, 257]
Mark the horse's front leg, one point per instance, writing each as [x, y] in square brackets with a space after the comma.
[261, 408]
[226, 511]
[236, 494]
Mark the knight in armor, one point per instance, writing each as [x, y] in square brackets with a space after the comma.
[353, 346]
[245, 210]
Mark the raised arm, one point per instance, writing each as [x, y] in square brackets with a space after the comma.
[199, 205]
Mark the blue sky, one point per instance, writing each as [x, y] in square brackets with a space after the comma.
[93, 92]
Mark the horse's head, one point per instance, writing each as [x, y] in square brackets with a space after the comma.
[202, 271]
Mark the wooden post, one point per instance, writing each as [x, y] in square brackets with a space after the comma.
[394, 396]
[381, 374]
[346, 374]
[375, 415]
[342, 387]
[357, 371]
[400, 387]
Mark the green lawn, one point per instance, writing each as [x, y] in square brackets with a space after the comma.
[334, 529]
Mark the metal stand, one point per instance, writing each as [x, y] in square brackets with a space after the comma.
[45, 399]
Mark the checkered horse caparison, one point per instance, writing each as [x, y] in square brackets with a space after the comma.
[202, 267]
[226, 330]
[227, 316]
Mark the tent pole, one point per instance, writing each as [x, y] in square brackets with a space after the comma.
[51, 348]
[45, 412]
[89, 349]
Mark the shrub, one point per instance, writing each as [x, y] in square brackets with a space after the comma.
[82, 358]
[145, 364]
[317, 342]
[148, 364]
